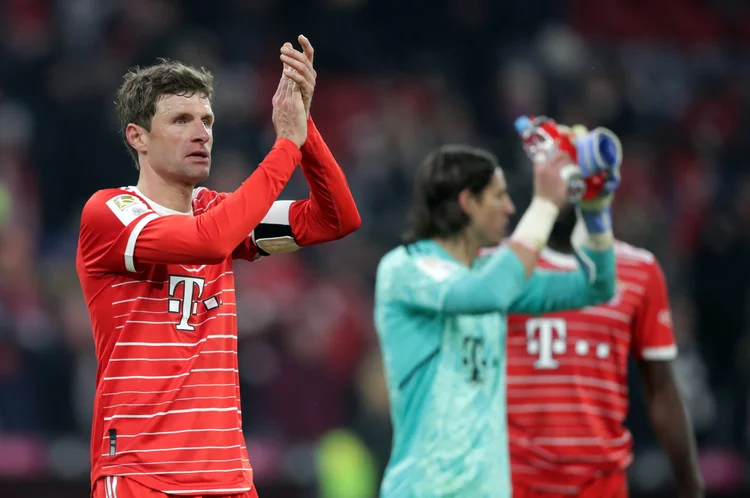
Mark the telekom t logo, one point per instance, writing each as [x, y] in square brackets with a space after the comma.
[187, 306]
[545, 337]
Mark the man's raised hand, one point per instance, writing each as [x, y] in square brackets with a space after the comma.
[549, 183]
[298, 66]
[289, 118]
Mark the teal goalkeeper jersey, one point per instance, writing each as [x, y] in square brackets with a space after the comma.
[442, 330]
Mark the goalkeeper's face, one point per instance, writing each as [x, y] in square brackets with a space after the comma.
[490, 211]
[178, 146]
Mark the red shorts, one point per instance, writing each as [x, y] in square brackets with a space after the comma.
[611, 486]
[122, 487]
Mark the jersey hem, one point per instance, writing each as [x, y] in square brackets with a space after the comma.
[559, 477]
[163, 486]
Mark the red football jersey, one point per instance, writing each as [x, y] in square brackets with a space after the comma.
[167, 408]
[567, 375]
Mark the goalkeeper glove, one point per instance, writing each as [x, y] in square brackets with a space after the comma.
[599, 156]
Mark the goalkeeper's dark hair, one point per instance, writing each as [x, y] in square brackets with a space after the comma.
[443, 175]
[142, 88]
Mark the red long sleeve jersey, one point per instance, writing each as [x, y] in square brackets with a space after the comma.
[167, 407]
[567, 376]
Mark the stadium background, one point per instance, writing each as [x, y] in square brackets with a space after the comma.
[396, 78]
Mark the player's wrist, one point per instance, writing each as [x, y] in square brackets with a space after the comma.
[284, 141]
[289, 147]
[597, 222]
[597, 204]
[594, 229]
[536, 224]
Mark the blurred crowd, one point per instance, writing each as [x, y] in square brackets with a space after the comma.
[396, 78]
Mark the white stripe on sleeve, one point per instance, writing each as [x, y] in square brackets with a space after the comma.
[661, 353]
[130, 247]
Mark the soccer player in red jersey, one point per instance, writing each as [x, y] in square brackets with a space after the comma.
[568, 383]
[155, 264]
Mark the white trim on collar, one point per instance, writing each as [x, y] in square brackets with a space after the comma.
[158, 208]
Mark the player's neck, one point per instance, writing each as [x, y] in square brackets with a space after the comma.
[559, 239]
[461, 248]
[176, 197]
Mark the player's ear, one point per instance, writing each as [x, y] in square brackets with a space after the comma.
[137, 137]
[466, 201]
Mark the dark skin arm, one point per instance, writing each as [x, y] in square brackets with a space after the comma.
[671, 425]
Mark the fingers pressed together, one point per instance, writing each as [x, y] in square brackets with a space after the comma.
[298, 66]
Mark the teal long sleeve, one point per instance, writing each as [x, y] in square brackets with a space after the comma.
[423, 277]
[591, 284]
[491, 288]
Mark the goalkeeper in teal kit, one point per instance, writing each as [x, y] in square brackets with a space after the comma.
[440, 312]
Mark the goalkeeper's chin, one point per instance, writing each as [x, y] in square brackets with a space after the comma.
[494, 239]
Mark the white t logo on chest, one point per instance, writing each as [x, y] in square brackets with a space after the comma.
[187, 306]
[546, 338]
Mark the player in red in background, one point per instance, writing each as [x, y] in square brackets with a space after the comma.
[155, 264]
[568, 383]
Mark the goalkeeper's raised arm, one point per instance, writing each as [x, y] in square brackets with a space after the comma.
[598, 152]
[461, 204]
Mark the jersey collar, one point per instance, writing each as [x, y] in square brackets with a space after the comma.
[158, 208]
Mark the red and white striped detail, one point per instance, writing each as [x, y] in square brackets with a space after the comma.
[567, 404]
[110, 486]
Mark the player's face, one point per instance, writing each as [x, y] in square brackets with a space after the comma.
[491, 211]
[179, 143]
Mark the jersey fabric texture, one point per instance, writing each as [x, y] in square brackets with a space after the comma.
[167, 407]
